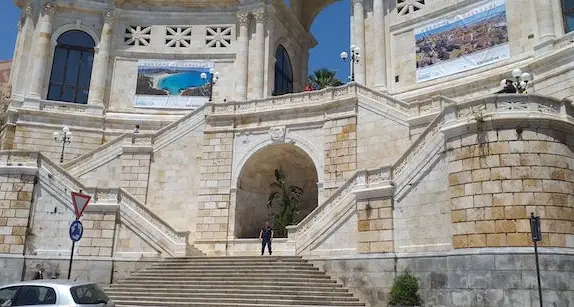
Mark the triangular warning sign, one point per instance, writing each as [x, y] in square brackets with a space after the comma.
[80, 202]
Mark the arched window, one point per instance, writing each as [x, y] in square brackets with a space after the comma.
[568, 12]
[72, 67]
[283, 72]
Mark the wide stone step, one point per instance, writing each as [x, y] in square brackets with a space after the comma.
[233, 258]
[228, 283]
[228, 263]
[230, 279]
[250, 277]
[130, 291]
[232, 274]
[332, 287]
[194, 304]
[194, 296]
[233, 269]
[320, 301]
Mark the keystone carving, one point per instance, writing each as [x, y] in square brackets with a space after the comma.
[277, 134]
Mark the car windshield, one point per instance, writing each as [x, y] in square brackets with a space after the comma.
[88, 294]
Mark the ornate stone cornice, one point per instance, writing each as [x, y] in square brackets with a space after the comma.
[260, 15]
[110, 16]
[49, 8]
[243, 17]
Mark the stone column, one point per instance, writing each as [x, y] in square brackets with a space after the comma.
[41, 50]
[101, 60]
[380, 55]
[24, 26]
[359, 38]
[259, 54]
[545, 20]
[242, 56]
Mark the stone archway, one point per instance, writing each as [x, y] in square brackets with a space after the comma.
[253, 186]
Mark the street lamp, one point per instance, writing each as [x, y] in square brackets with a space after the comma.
[64, 137]
[213, 77]
[355, 57]
[520, 83]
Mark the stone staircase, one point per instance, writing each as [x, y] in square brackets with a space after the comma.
[231, 281]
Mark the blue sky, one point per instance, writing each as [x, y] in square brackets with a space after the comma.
[331, 29]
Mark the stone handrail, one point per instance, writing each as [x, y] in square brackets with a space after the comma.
[146, 222]
[285, 101]
[384, 98]
[305, 231]
[309, 228]
[113, 148]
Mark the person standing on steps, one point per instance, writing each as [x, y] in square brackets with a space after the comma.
[265, 236]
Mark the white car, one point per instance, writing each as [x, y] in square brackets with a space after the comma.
[53, 292]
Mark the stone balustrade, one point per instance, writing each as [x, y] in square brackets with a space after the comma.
[452, 117]
[156, 230]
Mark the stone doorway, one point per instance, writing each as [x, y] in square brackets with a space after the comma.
[254, 186]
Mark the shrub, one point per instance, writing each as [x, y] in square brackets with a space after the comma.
[404, 290]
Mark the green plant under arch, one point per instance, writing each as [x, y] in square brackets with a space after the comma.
[287, 198]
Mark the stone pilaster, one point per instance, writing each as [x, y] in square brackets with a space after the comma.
[359, 38]
[135, 162]
[495, 185]
[17, 76]
[375, 225]
[41, 50]
[215, 189]
[101, 60]
[379, 37]
[340, 152]
[258, 76]
[242, 60]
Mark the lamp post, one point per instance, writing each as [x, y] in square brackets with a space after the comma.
[64, 137]
[355, 57]
[213, 77]
[520, 83]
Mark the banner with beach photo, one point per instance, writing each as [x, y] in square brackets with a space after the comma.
[172, 84]
[462, 42]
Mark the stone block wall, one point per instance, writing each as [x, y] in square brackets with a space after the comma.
[375, 225]
[380, 140]
[497, 181]
[98, 238]
[135, 172]
[39, 138]
[340, 152]
[15, 202]
[501, 279]
[215, 186]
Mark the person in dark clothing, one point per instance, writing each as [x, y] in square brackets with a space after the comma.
[266, 235]
[39, 273]
[507, 87]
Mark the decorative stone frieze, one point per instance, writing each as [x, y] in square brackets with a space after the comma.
[218, 37]
[137, 36]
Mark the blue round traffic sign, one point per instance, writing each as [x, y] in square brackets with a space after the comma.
[76, 231]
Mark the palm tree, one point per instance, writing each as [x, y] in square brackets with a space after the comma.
[324, 77]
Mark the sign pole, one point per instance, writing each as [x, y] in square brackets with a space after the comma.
[71, 259]
[536, 236]
[80, 202]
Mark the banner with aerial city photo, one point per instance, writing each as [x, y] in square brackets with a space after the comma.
[458, 43]
[172, 84]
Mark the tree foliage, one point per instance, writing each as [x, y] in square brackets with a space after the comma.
[287, 198]
[404, 291]
[322, 78]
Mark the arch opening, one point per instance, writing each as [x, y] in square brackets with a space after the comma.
[254, 186]
[72, 67]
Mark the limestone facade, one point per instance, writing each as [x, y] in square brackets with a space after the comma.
[396, 174]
